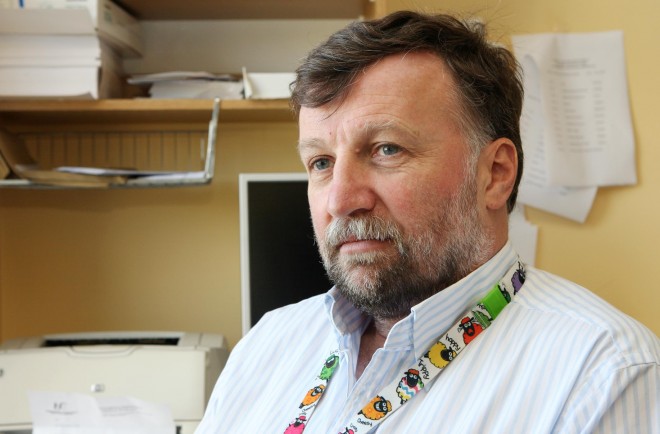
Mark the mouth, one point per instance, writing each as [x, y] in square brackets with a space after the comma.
[354, 245]
[361, 236]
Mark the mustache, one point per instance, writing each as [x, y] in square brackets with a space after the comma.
[348, 229]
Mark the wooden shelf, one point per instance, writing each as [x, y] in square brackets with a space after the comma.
[182, 141]
[246, 9]
[66, 124]
[45, 114]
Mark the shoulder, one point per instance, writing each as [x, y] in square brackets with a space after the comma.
[292, 332]
[280, 353]
[586, 314]
[286, 325]
[294, 315]
[605, 361]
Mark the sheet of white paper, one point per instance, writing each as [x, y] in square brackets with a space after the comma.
[75, 413]
[267, 85]
[22, 81]
[91, 6]
[48, 62]
[100, 171]
[585, 110]
[179, 75]
[572, 203]
[523, 235]
[50, 46]
[179, 178]
[191, 89]
[46, 22]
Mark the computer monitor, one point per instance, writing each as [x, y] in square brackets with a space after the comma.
[280, 263]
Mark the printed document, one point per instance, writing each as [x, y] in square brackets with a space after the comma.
[77, 413]
[576, 126]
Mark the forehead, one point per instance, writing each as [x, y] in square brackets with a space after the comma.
[408, 91]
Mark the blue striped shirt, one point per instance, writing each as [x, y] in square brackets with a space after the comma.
[558, 359]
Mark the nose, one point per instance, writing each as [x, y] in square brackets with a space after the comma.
[350, 190]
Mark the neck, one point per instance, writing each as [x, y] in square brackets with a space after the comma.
[372, 339]
[382, 326]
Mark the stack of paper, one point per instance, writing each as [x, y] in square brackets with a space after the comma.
[191, 85]
[64, 48]
[49, 53]
[113, 25]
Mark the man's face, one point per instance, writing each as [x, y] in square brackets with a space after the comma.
[392, 193]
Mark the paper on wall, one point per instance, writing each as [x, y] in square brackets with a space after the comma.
[523, 235]
[584, 111]
[77, 413]
[570, 202]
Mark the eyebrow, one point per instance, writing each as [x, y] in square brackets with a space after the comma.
[390, 125]
[310, 143]
[369, 129]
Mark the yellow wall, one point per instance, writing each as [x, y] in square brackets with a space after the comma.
[168, 259]
[615, 252]
[162, 259]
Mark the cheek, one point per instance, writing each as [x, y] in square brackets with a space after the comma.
[416, 201]
[319, 215]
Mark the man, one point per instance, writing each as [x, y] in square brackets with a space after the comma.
[409, 134]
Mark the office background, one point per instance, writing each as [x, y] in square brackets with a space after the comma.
[168, 259]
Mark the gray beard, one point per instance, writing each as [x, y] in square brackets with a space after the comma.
[386, 285]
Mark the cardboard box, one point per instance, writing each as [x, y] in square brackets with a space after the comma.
[267, 85]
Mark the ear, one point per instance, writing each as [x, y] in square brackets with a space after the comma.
[498, 166]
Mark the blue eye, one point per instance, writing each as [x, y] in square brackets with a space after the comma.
[390, 149]
[321, 164]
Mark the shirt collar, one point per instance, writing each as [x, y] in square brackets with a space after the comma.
[430, 318]
[344, 316]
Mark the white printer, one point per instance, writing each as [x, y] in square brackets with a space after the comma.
[174, 368]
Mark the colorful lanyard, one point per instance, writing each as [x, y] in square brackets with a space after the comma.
[440, 354]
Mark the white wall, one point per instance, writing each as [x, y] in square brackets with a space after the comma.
[228, 45]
